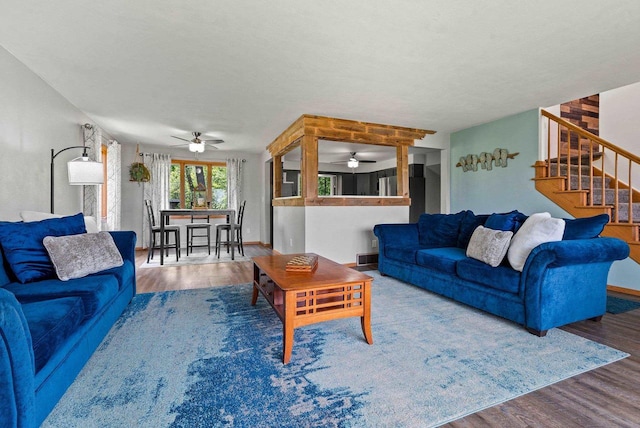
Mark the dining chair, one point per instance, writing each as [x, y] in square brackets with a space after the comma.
[154, 231]
[233, 237]
[198, 226]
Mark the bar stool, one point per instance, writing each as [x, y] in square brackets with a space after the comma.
[234, 235]
[154, 230]
[193, 227]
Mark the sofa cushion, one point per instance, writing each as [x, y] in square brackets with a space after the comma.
[537, 229]
[75, 256]
[468, 224]
[506, 221]
[500, 278]
[125, 274]
[406, 254]
[439, 230]
[6, 275]
[442, 259]
[95, 291]
[488, 245]
[23, 248]
[584, 228]
[50, 323]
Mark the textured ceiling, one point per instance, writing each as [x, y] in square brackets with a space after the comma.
[244, 70]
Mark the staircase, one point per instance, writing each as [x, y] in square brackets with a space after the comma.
[594, 178]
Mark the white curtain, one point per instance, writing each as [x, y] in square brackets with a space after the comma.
[92, 203]
[114, 185]
[234, 183]
[156, 190]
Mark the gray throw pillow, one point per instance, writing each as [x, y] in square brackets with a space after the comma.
[488, 245]
[75, 256]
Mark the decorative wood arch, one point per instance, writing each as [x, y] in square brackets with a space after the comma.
[305, 133]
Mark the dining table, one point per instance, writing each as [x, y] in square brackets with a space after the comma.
[167, 213]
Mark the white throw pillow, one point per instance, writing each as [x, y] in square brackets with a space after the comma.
[489, 245]
[27, 216]
[537, 229]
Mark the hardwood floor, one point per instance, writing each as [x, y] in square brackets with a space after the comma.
[196, 276]
[605, 397]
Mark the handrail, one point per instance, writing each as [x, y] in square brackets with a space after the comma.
[591, 136]
[590, 148]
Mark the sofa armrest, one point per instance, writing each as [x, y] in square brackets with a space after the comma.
[125, 240]
[17, 369]
[402, 234]
[579, 251]
[566, 281]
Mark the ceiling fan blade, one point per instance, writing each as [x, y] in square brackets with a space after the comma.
[211, 145]
[213, 141]
[180, 138]
[366, 161]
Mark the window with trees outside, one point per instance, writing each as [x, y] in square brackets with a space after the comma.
[193, 182]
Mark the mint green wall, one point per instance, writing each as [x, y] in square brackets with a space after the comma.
[505, 189]
[501, 189]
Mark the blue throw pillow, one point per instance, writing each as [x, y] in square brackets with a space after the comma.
[439, 230]
[23, 248]
[507, 221]
[467, 226]
[584, 228]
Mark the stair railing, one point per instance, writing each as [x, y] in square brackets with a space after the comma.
[591, 148]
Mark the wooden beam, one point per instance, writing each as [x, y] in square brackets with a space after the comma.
[309, 166]
[308, 129]
[277, 176]
[402, 155]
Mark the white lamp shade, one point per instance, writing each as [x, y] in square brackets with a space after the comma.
[352, 163]
[83, 172]
[196, 147]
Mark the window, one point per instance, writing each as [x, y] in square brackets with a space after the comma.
[326, 185]
[193, 182]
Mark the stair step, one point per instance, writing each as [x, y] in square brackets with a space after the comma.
[574, 158]
[623, 214]
[586, 169]
[610, 194]
[586, 182]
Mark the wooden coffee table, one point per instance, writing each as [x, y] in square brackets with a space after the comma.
[330, 291]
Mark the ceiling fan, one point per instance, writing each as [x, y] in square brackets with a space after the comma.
[196, 144]
[353, 162]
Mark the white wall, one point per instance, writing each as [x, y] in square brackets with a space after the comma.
[289, 229]
[620, 116]
[34, 119]
[619, 119]
[339, 233]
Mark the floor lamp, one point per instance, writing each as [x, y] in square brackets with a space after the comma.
[81, 170]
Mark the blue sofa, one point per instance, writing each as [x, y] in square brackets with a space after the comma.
[561, 282]
[49, 329]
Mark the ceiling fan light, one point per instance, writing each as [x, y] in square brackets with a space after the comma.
[196, 147]
[353, 163]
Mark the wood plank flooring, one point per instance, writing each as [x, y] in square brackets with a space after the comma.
[605, 397]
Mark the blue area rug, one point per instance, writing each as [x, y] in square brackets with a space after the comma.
[205, 358]
[616, 305]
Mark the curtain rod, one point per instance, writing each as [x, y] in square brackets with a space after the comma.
[150, 154]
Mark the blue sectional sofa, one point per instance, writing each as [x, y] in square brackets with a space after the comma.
[49, 329]
[561, 282]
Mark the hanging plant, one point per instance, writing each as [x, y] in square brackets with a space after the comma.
[138, 171]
